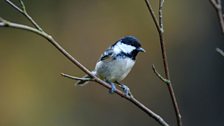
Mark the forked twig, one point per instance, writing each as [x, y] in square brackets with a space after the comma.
[24, 12]
[217, 4]
[159, 75]
[160, 29]
[39, 31]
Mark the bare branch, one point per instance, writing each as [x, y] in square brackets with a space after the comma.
[38, 30]
[151, 11]
[159, 26]
[3, 21]
[217, 4]
[14, 6]
[24, 12]
[221, 52]
[159, 75]
[23, 5]
[161, 2]
[76, 78]
[6, 23]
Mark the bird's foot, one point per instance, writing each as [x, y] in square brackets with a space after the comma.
[126, 90]
[113, 88]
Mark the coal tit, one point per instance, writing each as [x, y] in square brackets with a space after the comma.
[116, 62]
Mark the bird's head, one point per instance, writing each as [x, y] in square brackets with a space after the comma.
[128, 45]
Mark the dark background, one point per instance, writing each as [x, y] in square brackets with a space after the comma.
[32, 92]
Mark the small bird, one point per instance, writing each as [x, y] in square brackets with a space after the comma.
[116, 62]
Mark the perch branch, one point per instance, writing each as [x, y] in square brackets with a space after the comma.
[38, 30]
[159, 27]
[217, 4]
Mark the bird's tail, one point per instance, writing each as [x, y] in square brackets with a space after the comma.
[84, 82]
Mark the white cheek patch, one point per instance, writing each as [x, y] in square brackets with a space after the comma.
[117, 49]
[123, 47]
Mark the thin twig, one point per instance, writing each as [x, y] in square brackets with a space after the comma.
[221, 52]
[217, 4]
[161, 2]
[39, 31]
[24, 12]
[159, 26]
[152, 13]
[14, 6]
[76, 78]
[159, 75]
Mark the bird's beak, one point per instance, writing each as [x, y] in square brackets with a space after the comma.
[141, 50]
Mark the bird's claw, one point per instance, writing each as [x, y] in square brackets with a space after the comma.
[113, 88]
[126, 90]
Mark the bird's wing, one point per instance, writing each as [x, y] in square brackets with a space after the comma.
[107, 55]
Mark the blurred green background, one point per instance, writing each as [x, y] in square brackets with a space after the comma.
[32, 92]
